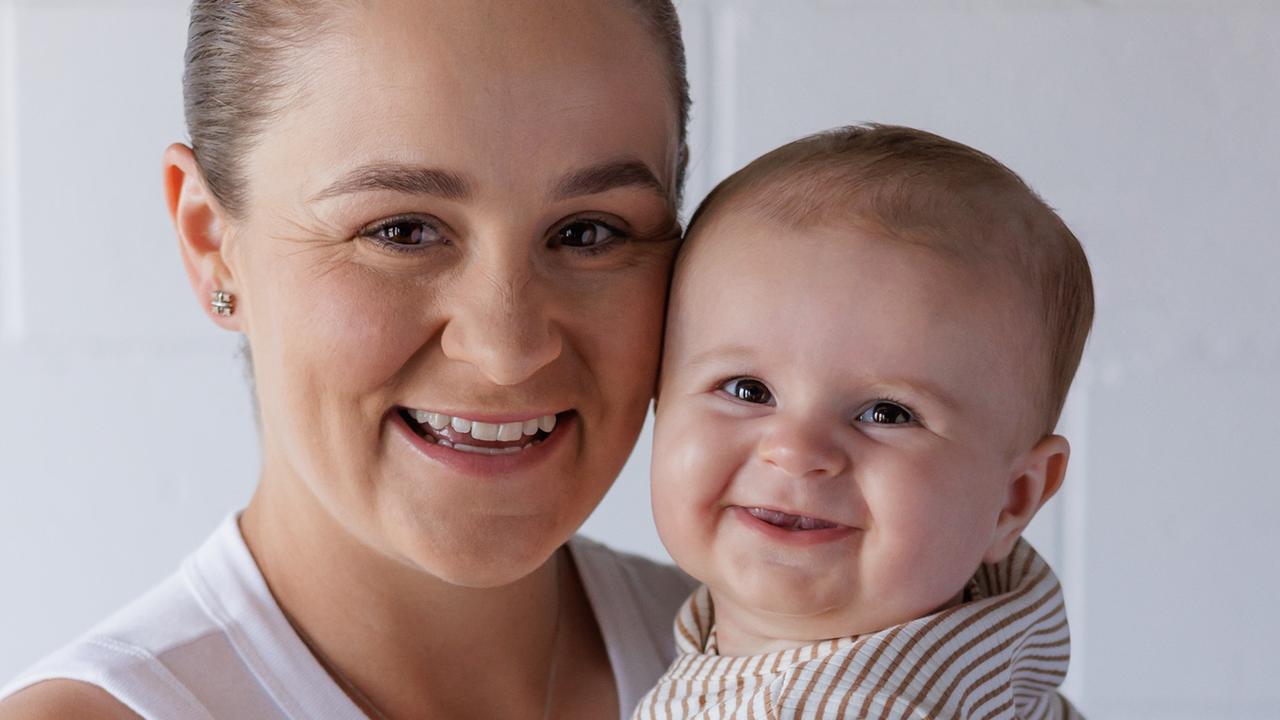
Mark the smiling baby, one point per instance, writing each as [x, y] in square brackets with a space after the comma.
[871, 335]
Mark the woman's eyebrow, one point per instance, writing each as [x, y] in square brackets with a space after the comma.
[408, 179]
[606, 176]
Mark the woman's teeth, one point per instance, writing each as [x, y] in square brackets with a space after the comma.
[460, 428]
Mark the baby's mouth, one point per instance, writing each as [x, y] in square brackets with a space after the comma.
[787, 521]
[481, 438]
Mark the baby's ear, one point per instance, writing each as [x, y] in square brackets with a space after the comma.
[1035, 479]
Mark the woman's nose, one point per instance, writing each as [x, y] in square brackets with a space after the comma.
[802, 450]
[500, 323]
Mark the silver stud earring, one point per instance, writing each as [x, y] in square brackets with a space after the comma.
[222, 302]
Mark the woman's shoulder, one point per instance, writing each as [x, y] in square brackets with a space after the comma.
[57, 699]
[126, 661]
[172, 652]
[635, 601]
[657, 586]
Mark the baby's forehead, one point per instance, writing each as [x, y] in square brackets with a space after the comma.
[857, 265]
[741, 230]
[947, 309]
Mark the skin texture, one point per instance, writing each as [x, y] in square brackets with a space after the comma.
[830, 323]
[366, 541]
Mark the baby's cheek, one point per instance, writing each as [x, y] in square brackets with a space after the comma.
[932, 542]
[699, 452]
[688, 479]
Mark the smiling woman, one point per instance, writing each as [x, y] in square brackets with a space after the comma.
[450, 265]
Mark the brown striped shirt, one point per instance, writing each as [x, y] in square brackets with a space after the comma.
[1000, 654]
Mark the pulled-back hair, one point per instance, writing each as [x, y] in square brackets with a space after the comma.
[239, 75]
[917, 187]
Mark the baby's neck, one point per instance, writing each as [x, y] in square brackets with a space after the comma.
[744, 631]
[735, 639]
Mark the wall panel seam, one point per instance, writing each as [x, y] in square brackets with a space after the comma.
[11, 292]
[723, 90]
[1074, 533]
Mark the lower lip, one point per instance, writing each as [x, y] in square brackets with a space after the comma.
[487, 465]
[791, 537]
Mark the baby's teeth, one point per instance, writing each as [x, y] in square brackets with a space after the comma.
[510, 431]
[437, 421]
[461, 425]
[420, 416]
[547, 423]
[484, 431]
[531, 426]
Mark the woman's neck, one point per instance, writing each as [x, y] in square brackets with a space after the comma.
[413, 644]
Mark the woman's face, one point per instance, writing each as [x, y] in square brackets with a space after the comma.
[466, 212]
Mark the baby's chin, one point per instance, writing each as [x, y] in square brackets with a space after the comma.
[754, 616]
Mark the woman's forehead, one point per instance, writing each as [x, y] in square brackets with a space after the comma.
[500, 93]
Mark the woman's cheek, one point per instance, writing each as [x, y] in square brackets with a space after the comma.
[356, 329]
[638, 329]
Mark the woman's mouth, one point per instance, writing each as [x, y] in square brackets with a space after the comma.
[480, 437]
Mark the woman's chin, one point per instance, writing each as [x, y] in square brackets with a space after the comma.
[484, 552]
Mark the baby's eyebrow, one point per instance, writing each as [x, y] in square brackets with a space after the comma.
[721, 353]
[918, 386]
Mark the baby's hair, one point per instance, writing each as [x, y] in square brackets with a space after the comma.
[920, 188]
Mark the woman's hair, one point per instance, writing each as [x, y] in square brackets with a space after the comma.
[238, 76]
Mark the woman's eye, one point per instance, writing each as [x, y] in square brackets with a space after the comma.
[586, 235]
[749, 390]
[404, 233]
[886, 413]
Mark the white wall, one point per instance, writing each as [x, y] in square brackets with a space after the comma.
[125, 427]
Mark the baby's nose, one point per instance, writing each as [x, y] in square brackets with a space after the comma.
[802, 450]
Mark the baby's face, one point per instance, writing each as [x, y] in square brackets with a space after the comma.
[836, 425]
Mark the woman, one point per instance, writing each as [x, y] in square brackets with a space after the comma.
[445, 230]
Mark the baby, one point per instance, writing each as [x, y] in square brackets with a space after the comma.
[872, 332]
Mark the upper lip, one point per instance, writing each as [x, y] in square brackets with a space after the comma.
[487, 416]
[798, 513]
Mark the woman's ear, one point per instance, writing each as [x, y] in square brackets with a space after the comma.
[199, 222]
[1035, 479]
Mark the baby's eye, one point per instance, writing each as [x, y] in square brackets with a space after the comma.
[886, 413]
[749, 390]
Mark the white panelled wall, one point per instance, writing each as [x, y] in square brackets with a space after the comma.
[125, 426]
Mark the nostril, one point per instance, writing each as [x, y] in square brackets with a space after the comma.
[506, 352]
[802, 456]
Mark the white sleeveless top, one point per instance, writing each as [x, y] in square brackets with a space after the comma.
[210, 641]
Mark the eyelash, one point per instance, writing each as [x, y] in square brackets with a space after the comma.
[916, 419]
[370, 233]
[915, 416]
[721, 387]
[617, 236]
